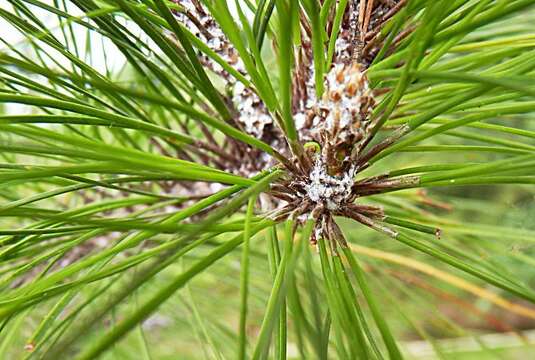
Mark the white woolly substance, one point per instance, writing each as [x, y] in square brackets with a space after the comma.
[342, 102]
[307, 104]
[332, 191]
[251, 110]
[343, 49]
[343, 110]
[300, 120]
[212, 35]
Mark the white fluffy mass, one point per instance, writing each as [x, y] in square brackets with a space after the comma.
[251, 110]
[330, 190]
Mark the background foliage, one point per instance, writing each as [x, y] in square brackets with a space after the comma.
[104, 117]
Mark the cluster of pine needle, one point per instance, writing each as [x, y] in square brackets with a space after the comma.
[356, 158]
